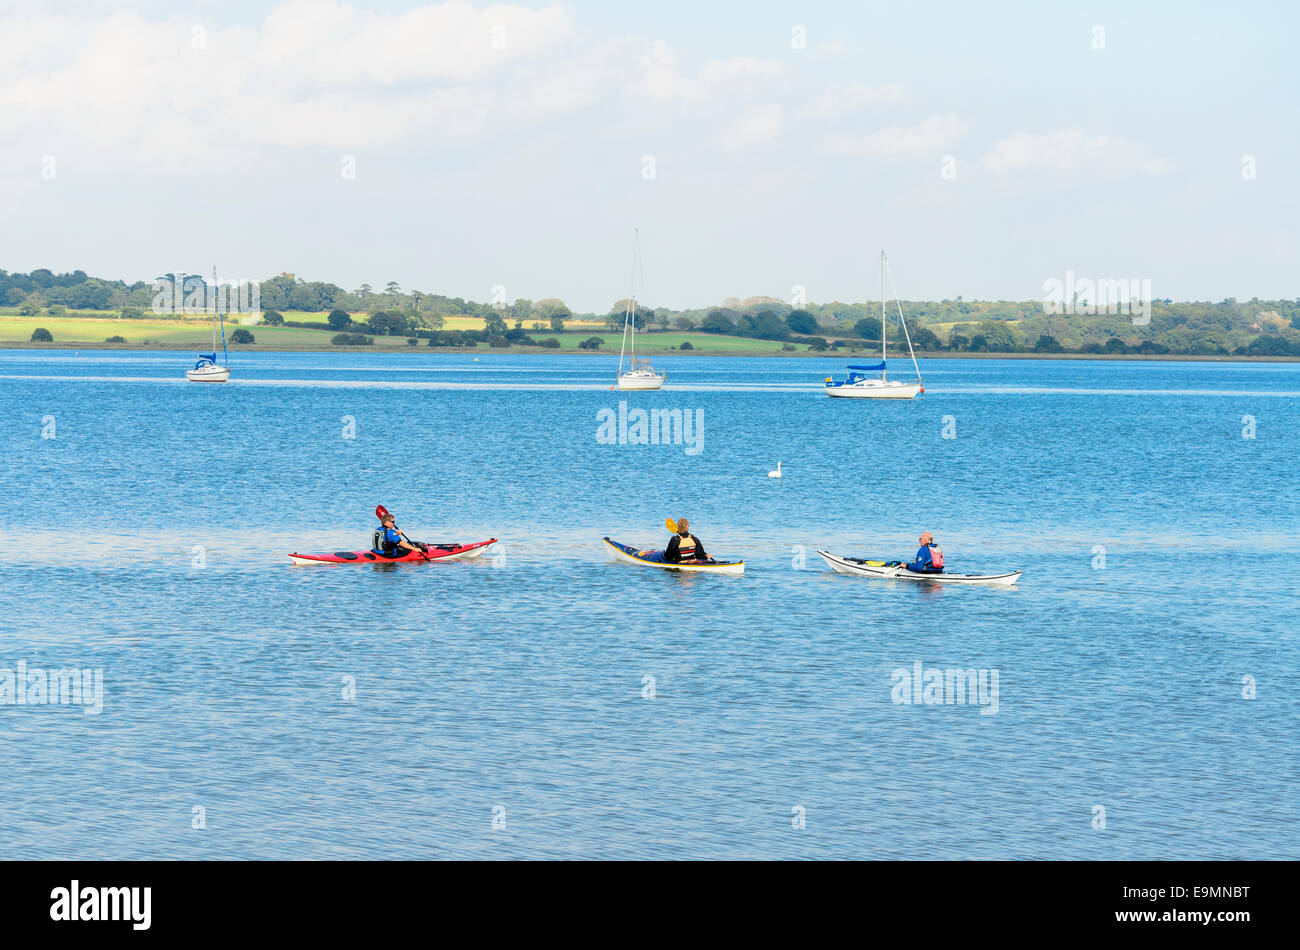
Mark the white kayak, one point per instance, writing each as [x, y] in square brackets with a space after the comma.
[861, 567]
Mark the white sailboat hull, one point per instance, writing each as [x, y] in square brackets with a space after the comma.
[208, 374]
[860, 386]
[640, 374]
[206, 369]
[640, 381]
[874, 389]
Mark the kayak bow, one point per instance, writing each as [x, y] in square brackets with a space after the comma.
[436, 552]
[625, 552]
[861, 567]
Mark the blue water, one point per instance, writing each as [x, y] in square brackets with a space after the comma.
[145, 537]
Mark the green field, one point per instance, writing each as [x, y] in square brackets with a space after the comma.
[197, 334]
[188, 333]
[476, 323]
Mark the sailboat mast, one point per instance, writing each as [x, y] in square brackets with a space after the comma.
[216, 302]
[636, 263]
[214, 319]
[882, 313]
[629, 309]
[623, 346]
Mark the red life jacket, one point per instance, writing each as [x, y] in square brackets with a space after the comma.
[936, 557]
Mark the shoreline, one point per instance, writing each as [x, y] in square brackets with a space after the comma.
[541, 351]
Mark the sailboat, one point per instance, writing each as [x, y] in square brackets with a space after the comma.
[207, 369]
[858, 384]
[640, 374]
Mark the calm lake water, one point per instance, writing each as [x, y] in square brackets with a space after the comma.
[554, 703]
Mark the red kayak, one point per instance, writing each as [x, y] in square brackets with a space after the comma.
[436, 552]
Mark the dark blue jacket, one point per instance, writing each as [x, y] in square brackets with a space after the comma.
[924, 561]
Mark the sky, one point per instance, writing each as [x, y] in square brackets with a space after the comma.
[759, 148]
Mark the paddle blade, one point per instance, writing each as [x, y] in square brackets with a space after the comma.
[672, 525]
[381, 512]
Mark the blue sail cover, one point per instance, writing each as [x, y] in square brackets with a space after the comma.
[872, 368]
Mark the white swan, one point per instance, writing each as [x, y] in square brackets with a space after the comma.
[777, 473]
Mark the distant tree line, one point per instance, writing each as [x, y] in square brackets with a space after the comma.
[395, 323]
[1251, 328]
[1254, 328]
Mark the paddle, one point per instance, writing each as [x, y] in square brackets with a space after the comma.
[381, 513]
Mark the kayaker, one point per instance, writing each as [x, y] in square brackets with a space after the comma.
[929, 559]
[684, 547]
[390, 542]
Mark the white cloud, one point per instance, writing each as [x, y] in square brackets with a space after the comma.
[760, 124]
[122, 89]
[663, 80]
[324, 42]
[898, 141]
[1071, 152]
[738, 71]
[836, 101]
[593, 73]
[314, 73]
